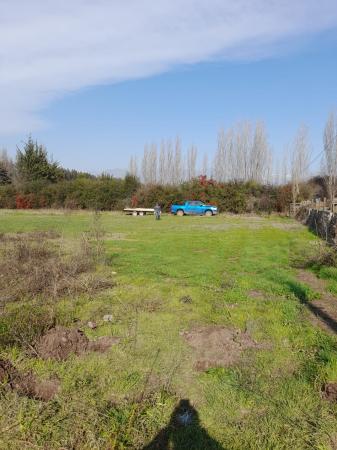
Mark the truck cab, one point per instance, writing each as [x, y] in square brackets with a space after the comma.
[194, 207]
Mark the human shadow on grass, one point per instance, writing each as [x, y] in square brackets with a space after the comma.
[301, 294]
[183, 432]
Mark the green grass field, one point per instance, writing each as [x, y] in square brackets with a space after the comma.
[237, 273]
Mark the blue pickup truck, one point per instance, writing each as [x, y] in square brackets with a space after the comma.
[194, 208]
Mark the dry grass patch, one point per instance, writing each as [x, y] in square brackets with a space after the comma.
[33, 266]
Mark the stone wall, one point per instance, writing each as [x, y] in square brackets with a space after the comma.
[322, 223]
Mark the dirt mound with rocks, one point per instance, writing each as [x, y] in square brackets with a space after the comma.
[216, 346]
[60, 342]
[26, 384]
[330, 391]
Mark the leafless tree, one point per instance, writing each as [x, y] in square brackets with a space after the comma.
[191, 162]
[204, 169]
[133, 169]
[275, 176]
[170, 169]
[284, 175]
[330, 156]
[162, 175]
[243, 148]
[300, 161]
[145, 165]
[152, 163]
[178, 169]
[260, 156]
[219, 165]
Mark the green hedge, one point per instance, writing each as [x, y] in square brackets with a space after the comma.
[104, 193]
[107, 193]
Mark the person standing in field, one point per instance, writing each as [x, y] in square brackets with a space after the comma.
[157, 211]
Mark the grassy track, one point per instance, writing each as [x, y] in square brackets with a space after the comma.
[237, 272]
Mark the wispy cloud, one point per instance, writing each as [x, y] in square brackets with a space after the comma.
[49, 48]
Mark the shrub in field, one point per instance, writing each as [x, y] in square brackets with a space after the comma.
[320, 254]
[23, 202]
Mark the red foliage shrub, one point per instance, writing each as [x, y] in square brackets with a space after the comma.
[134, 201]
[23, 201]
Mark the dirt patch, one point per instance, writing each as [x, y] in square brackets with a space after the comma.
[324, 310]
[119, 237]
[103, 344]
[310, 279]
[216, 346]
[287, 226]
[256, 294]
[150, 306]
[330, 391]
[59, 343]
[26, 384]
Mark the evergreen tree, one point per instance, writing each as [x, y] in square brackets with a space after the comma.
[131, 184]
[4, 176]
[33, 164]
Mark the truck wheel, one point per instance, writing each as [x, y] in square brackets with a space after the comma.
[208, 213]
[180, 212]
[134, 213]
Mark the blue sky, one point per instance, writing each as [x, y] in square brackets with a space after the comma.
[95, 114]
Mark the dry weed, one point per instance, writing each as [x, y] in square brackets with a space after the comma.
[33, 266]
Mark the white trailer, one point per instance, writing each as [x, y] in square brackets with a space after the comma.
[139, 211]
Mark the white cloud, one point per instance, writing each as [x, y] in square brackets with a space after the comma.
[49, 48]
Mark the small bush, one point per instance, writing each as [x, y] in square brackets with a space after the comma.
[320, 254]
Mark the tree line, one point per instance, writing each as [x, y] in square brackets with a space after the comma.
[243, 154]
[242, 163]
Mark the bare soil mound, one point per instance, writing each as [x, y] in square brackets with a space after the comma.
[216, 346]
[330, 391]
[26, 384]
[59, 343]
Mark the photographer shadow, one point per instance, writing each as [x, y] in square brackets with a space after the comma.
[183, 432]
